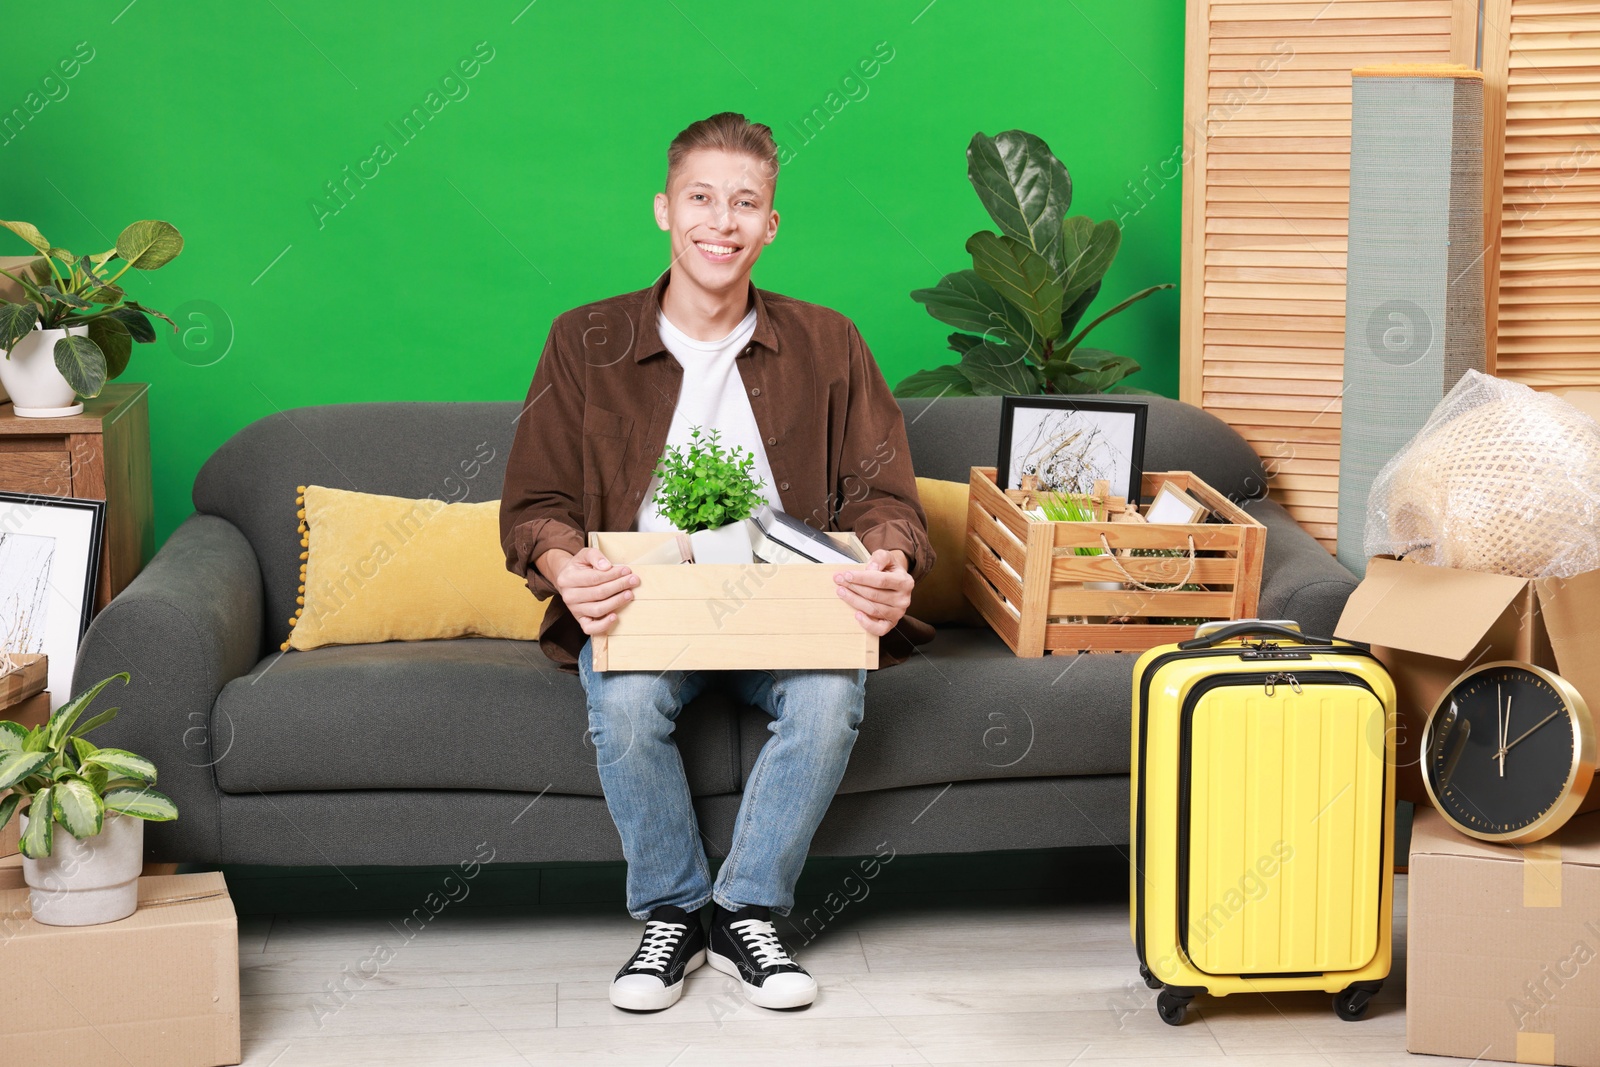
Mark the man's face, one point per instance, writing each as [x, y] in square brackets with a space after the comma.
[718, 209]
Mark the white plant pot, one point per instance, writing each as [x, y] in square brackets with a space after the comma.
[96, 880]
[38, 391]
[725, 544]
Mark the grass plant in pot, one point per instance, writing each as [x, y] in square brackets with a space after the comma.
[1066, 507]
[76, 329]
[83, 814]
[707, 491]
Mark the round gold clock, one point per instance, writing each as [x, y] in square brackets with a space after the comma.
[1509, 752]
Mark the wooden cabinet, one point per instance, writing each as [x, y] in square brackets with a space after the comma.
[101, 454]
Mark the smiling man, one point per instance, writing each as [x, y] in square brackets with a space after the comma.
[794, 384]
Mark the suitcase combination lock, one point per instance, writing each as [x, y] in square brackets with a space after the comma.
[1276, 679]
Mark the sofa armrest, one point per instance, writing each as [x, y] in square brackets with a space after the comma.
[186, 625]
[1300, 579]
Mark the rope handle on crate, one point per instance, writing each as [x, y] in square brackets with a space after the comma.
[1140, 585]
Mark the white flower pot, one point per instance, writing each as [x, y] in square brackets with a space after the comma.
[725, 544]
[38, 391]
[96, 880]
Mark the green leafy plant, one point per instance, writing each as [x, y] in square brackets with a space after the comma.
[1064, 507]
[704, 485]
[83, 292]
[1029, 285]
[64, 779]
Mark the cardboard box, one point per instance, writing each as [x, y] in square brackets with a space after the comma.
[11, 872]
[1429, 624]
[728, 616]
[1503, 945]
[30, 677]
[157, 989]
[34, 711]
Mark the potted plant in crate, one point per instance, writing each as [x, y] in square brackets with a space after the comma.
[100, 797]
[1029, 285]
[707, 492]
[76, 329]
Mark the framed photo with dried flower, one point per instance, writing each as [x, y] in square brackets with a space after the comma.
[49, 562]
[1069, 443]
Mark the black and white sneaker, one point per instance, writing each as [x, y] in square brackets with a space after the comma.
[674, 944]
[745, 945]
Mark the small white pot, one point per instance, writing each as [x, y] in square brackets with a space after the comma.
[38, 391]
[96, 880]
[725, 544]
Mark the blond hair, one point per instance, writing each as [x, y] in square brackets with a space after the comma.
[727, 131]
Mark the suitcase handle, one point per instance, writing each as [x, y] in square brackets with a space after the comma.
[1252, 627]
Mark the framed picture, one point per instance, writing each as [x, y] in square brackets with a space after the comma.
[49, 561]
[1174, 505]
[1070, 443]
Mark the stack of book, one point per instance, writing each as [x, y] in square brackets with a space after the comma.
[779, 538]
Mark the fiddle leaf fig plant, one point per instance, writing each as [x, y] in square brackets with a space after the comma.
[705, 486]
[63, 778]
[65, 290]
[1029, 285]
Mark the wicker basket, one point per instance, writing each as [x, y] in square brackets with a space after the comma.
[1028, 579]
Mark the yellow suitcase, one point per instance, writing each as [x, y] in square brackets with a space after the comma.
[1262, 817]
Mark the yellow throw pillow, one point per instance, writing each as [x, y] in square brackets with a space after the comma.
[385, 568]
[937, 598]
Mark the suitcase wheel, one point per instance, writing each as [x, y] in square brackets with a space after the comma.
[1172, 1007]
[1149, 979]
[1352, 1004]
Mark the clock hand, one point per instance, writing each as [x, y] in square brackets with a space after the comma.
[1504, 709]
[1530, 730]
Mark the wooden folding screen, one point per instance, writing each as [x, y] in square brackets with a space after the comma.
[1541, 64]
[1266, 204]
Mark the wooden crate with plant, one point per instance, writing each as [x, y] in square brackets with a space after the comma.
[1060, 572]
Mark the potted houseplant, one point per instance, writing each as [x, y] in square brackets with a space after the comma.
[99, 798]
[1029, 285]
[707, 492]
[76, 329]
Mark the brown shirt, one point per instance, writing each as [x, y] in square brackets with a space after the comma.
[596, 418]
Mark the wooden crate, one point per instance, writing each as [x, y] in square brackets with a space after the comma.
[29, 677]
[720, 616]
[1021, 574]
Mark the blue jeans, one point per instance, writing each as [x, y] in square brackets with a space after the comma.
[631, 718]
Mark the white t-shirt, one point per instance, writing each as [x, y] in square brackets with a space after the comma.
[713, 397]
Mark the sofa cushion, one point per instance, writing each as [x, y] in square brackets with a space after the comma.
[391, 568]
[965, 708]
[938, 598]
[471, 713]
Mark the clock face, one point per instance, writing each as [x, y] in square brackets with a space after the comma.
[1502, 752]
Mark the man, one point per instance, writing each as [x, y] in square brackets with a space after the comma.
[794, 384]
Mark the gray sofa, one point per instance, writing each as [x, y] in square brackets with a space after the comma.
[415, 753]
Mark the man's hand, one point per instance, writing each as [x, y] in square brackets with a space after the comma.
[880, 594]
[593, 588]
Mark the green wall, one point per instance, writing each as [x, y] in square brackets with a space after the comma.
[529, 191]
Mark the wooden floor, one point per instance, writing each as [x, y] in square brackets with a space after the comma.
[922, 967]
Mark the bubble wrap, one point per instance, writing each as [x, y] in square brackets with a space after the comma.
[1501, 478]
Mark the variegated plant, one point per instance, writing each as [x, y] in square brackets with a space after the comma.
[65, 290]
[64, 779]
